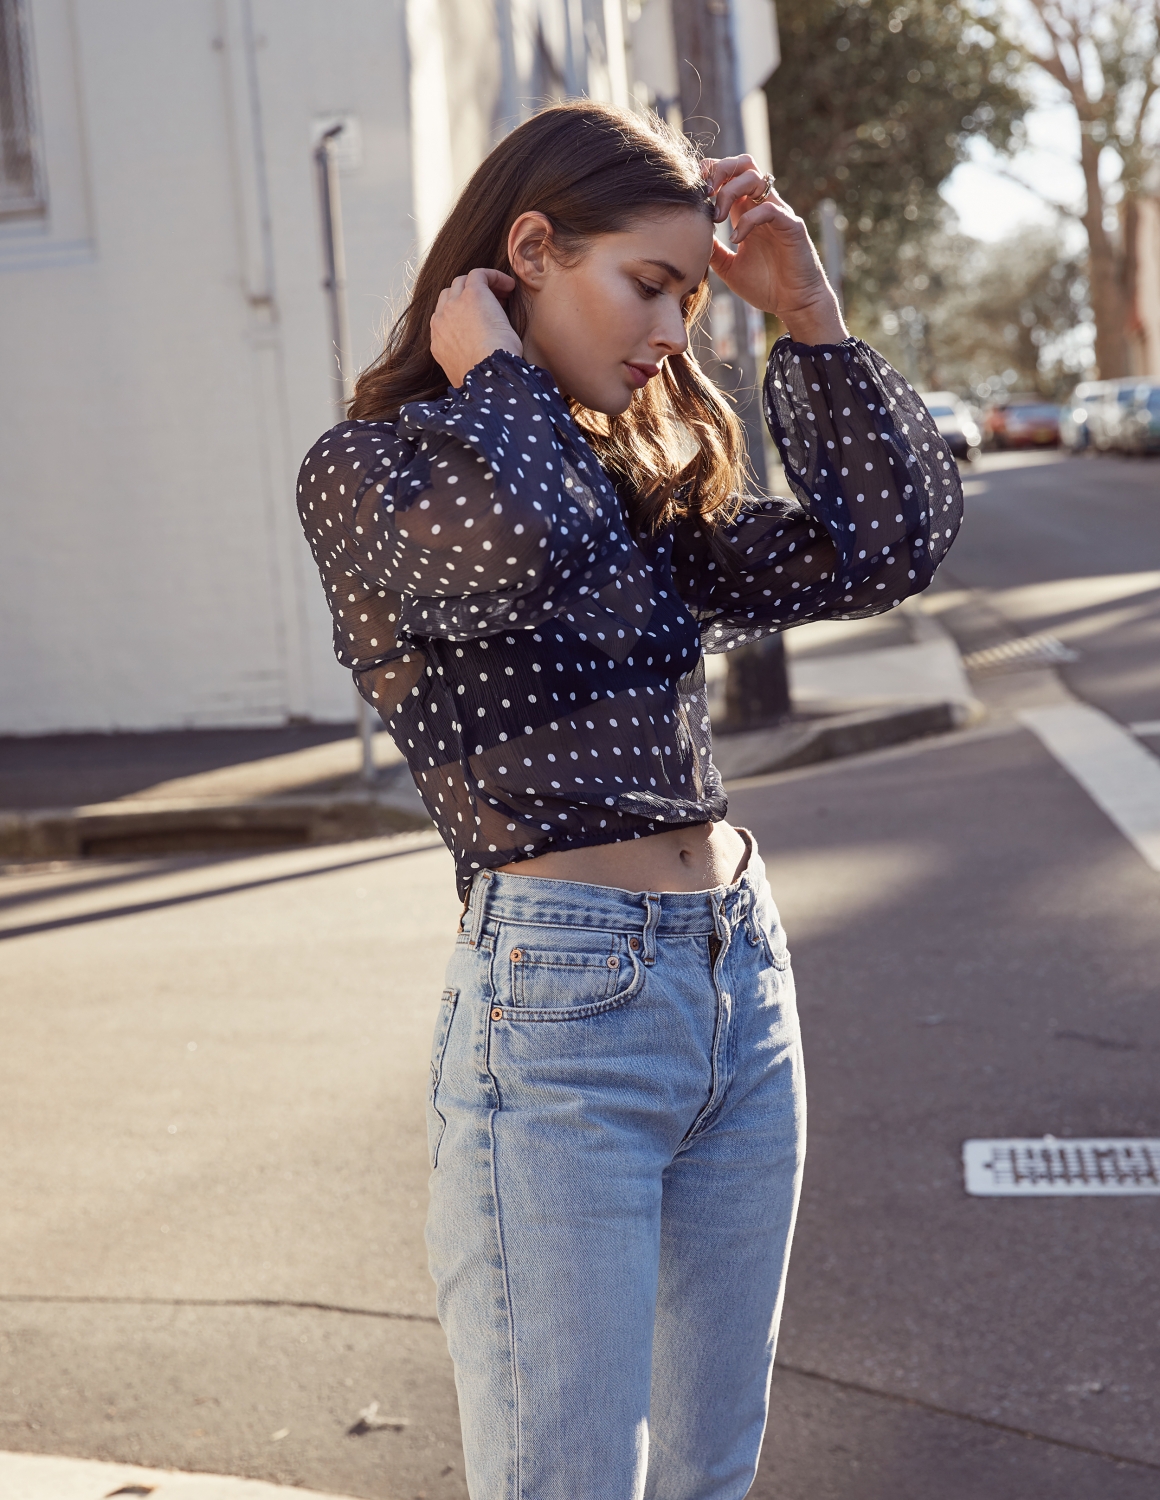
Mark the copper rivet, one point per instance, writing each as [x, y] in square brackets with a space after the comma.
[516, 955]
[497, 1015]
[634, 943]
[614, 962]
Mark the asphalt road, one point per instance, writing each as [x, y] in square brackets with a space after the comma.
[212, 1161]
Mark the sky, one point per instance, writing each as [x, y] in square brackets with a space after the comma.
[990, 206]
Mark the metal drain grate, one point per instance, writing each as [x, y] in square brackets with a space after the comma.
[1027, 651]
[1051, 1168]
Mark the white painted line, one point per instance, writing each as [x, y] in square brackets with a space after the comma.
[1050, 1168]
[1120, 776]
[38, 1476]
[1148, 728]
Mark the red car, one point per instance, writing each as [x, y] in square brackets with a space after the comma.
[1021, 422]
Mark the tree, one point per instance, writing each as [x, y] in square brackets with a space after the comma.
[964, 315]
[874, 105]
[1103, 56]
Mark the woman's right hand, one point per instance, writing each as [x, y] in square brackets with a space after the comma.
[469, 322]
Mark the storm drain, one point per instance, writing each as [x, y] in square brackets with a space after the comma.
[1051, 1168]
[1026, 651]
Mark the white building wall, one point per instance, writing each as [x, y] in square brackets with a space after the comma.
[166, 354]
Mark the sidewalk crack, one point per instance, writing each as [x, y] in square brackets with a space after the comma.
[331, 1307]
[965, 1416]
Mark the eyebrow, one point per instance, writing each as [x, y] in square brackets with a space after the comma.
[667, 267]
[670, 270]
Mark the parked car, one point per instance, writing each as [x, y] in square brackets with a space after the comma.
[1021, 421]
[1139, 429]
[953, 419]
[1074, 425]
[1106, 412]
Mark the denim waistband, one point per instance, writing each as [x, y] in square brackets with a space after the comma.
[495, 896]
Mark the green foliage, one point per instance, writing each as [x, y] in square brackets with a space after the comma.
[874, 105]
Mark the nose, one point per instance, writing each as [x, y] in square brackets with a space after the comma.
[670, 336]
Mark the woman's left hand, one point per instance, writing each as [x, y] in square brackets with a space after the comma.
[775, 267]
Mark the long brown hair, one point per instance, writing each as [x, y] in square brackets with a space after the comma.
[589, 169]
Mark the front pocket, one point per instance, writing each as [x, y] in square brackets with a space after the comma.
[550, 983]
[436, 1122]
[776, 949]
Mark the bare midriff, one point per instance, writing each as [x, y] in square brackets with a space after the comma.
[680, 859]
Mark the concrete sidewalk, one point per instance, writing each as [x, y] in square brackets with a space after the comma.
[856, 686]
[38, 1476]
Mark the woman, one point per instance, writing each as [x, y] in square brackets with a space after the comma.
[528, 533]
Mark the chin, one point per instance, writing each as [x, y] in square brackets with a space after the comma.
[611, 403]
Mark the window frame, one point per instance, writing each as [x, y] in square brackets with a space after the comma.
[19, 89]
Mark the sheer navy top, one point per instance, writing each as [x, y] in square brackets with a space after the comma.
[537, 663]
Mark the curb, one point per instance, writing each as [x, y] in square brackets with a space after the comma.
[144, 827]
[758, 752]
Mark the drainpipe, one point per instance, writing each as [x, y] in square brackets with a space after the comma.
[334, 253]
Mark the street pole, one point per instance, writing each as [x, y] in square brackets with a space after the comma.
[833, 247]
[334, 252]
[756, 686]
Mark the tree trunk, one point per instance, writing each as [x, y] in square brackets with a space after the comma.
[1109, 304]
[1130, 280]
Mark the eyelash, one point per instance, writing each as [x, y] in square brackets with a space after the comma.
[648, 292]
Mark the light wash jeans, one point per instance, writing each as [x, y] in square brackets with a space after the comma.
[617, 1125]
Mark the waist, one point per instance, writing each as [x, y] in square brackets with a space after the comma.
[536, 899]
[699, 857]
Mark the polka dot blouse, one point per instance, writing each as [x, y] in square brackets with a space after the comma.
[538, 665]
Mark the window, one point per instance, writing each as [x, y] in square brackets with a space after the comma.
[21, 184]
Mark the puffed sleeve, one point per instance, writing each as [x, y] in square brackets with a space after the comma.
[475, 513]
[879, 501]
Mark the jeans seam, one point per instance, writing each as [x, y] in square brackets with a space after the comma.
[517, 1483]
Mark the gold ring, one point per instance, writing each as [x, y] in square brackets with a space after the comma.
[768, 180]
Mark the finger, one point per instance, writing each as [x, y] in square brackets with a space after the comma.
[725, 167]
[499, 283]
[741, 186]
[779, 214]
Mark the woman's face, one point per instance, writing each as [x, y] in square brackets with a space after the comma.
[604, 324]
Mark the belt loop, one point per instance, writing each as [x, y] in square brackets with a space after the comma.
[479, 894]
[652, 907]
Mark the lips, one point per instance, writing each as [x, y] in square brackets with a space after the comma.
[641, 374]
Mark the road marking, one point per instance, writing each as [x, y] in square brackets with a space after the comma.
[1049, 1168]
[1027, 650]
[1120, 776]
[38, 1476]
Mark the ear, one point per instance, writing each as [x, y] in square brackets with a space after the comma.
[529, 249]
